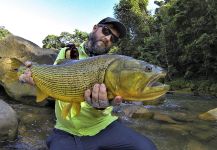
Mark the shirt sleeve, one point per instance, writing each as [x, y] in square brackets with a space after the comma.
[61, 55]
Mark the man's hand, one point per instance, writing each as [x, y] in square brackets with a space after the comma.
[98, 97]
[26, 77]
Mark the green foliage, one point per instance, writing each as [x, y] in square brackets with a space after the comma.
[52, 42]
[178, 84]
[213, 89]
[188, 35]
[57, 42]
[3, 32]
[134, 14]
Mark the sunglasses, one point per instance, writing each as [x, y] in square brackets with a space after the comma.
[106, 31]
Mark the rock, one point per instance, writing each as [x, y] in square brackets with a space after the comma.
[203, 132]
[142, 113]
[182, 117]
[8, 122]
[195, 145]
[35, 125]
[210, 115]
[176, 128]
[14, 47]
[164, 118]
[136, 111]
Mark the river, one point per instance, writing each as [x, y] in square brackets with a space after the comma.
[175, 125]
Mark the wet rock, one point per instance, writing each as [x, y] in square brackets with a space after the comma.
[182, 117]
[8, 122]
[164, 118]
[35, 125]
[176, 128]
[195, 145]
[204, 132]
[210, 115]
[142, 113]
[136, 111]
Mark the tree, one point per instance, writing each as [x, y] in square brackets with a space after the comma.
[3, 32]
[135, 17]
[57, 42]
[188, 35]
[52, 42]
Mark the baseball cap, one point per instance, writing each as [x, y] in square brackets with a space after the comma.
[117, 24]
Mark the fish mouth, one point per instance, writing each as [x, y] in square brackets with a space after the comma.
[154, 80]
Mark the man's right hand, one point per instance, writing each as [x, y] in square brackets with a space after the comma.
[97, 97]
[26, 77]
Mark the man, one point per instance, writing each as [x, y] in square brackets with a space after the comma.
[94, 128]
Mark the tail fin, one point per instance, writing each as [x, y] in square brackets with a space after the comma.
[15, 70]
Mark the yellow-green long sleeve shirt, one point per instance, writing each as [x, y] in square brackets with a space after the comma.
[90, 121]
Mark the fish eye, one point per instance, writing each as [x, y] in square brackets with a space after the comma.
[148, 68]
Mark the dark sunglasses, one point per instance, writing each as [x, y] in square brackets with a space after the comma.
[106, 31]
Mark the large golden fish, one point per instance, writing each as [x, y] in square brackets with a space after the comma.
[124, 76]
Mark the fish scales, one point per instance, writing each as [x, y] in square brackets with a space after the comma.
[132, 79]
[68, 81]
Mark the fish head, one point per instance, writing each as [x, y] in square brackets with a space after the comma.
[136, 80]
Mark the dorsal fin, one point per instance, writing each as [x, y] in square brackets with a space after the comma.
[65, 61]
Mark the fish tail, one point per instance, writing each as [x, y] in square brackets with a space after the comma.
[16, 69]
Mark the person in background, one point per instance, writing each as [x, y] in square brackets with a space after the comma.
[95, 128]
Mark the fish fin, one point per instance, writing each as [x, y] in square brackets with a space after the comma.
[76, 108]
[12, 74]
[65, 61]
[66, 110]
[40, 95]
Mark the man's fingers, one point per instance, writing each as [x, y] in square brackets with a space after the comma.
[117, 100]
[103, 99]
[87, 96]
[102, 92]
[95, 95]
[22, 78]
[28, 63]
[98, 97]
[28, 72]
[26, 79]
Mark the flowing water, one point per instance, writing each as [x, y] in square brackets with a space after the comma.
[185, 131]
[176, 127]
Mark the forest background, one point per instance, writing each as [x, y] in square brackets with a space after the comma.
[181, 36]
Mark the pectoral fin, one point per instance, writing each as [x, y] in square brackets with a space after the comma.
[76, 107]
[40, 95]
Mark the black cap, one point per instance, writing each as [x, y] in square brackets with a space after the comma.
[117, 24]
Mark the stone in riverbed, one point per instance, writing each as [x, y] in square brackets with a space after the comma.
[210, 115]
[8, 122]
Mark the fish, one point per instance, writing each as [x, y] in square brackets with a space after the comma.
[132, 79]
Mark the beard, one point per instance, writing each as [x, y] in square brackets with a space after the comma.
[96, 47]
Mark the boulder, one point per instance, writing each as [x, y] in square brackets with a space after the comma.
[16, 48]
[8, 122]
[210, 115]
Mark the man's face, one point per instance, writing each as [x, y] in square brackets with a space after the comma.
[101, 38]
